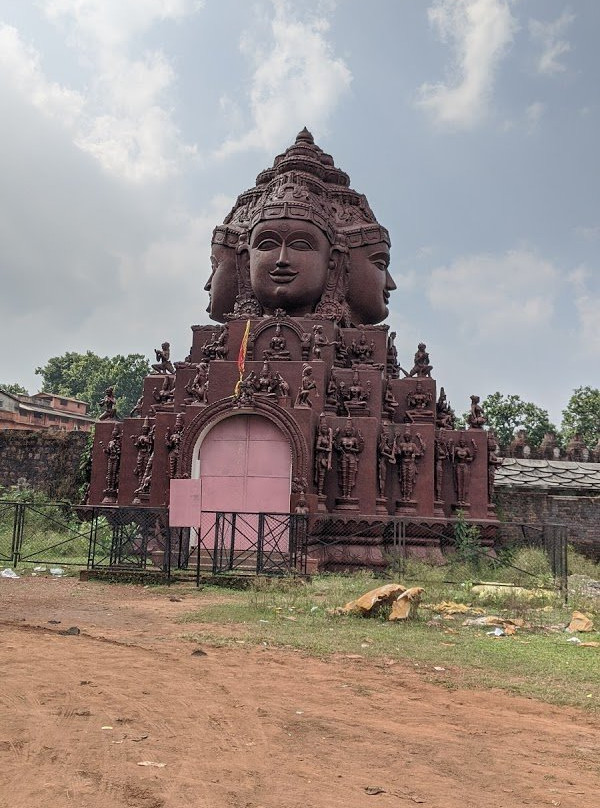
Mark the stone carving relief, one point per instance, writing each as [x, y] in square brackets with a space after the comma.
[323, 454]
[113, 464]
[197, 388]
[109, 405]
[408, 452]
[307, 385]
[173, 442]
[422, 366]
[349, 443]
[476, 418]
[462, 457]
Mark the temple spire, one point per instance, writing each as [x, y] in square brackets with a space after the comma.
[305, 137]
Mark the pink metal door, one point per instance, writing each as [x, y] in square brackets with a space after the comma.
[245, 468]
[245, 465]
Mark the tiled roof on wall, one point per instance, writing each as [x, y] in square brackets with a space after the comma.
[544, 474]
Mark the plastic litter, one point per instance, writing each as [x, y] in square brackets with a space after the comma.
[56, 571]
[8, 573]
[39, 569]
[497, 632]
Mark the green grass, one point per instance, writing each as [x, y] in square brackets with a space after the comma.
[535, 662]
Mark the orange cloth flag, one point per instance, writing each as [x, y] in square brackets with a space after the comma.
[241, 362]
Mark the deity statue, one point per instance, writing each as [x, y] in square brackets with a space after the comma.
[385, 457]
[217, 347]
[319, 341]
[136, 410]
[279, 387]
[244, 395]
[172, 442]
[163, 360]
[369, 262]
[222, 285]
[306, 386]
[349, 443]
[421, 366]
[109, 403]
[197, 388]
[493, 462]
[144, 443]
[113, 464]
[361, 352]
[332, 392]
[418, 402]
[346, 251]
[408, 452]
[476, 418]
[442, 453]
[323, 452]
[355, 398]
[277, 346]
[391, 360]
[444, 414]
[163, 395]
[390, 404]
[462, 456]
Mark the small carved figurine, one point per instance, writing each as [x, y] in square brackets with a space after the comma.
[173, 442]
[418, 402]
[277, 346]
[385, 457]
[244, 396]
[113, 464]
[318, 341]
[476, 418]
[390, 404]
[361, 352]
[441, 455]
[462, 457]
[306, 385]
[279, 386]
[136, 410]
[218, 345]
[444, 414]
[109, 403]
[198, 386]
[163, 359]
[408, 453]
[493, 462]
[165, 394]
[392, 367]
[323, 452]
[421, 366]
[144, 443]
[349, 443]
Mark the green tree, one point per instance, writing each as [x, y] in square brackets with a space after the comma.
[582, 415]
[86, 376]
[15, 389]
[506, 414]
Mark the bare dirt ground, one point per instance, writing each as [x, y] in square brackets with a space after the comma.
[252, 727]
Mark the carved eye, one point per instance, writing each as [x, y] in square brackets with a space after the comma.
[300, 244]
[266, 244]
[380, 264]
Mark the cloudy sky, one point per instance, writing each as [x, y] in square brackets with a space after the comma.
[129, 127]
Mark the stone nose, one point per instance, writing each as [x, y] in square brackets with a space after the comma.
[283, 261]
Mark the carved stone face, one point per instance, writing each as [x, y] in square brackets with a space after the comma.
[289, 261]
[369, 283]
[222, 285]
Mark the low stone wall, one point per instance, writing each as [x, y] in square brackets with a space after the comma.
[580, 512]
[45, 461]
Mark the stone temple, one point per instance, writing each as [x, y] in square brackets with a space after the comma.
[296, 402]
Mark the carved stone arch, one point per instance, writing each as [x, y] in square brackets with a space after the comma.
[224, 408]
[283, 323]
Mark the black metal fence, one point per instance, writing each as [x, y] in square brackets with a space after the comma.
[130, 538]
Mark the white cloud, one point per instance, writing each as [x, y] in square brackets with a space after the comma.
[123, 118]
[549, 35]
[22, 64]
[479, 32]
[588, 233]
[487, 294]
[297, 80]
[533, 114]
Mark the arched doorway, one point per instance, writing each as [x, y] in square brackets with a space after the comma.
[245, 465]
